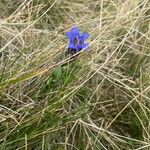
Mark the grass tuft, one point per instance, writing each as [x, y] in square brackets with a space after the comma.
[98, 100]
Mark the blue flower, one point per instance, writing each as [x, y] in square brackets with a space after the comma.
[77, 40]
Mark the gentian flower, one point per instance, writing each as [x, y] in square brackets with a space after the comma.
[77, 40]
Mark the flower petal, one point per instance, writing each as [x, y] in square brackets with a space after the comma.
[70, 35]
[71, 45]
[79, 48]
[85, 36]
[85, 46]
[75, 30]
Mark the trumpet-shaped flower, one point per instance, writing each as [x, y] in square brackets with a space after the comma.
[77, 40]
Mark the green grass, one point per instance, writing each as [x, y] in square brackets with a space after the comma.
[98, 101]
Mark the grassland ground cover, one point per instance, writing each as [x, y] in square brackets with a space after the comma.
[100, 100]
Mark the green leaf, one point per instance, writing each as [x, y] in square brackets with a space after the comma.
[58, 72]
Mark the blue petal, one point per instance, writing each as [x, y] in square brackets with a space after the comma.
[79, 47]
[69, 34]
[75, 30]
[85, 46]
[85, 36]
[71, 45]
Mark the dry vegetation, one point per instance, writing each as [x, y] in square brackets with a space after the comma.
[99, 101]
